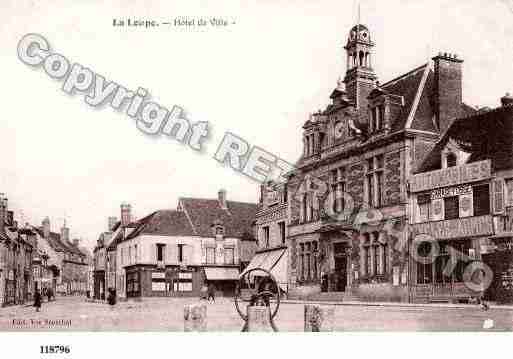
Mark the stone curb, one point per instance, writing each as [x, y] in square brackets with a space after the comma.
[387, 304]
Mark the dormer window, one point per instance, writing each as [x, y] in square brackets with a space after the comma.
[451, 160]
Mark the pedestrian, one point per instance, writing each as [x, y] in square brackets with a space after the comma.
[49, 293]
[211, 292]
[37, 300]
[111, 298]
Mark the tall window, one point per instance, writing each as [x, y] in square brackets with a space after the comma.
[368, 259]
[314, 260]
[424, 202]
[266, 235]
[338, 188]
[376, 259]
[229, 257]
[375, 168]
[283, 234]
[307, 261]
[136, 254]
[180, 253]
[451, 207]
[129, 254]
[211, 255]
[302, 261]
[384, 250]
[424, 266]
[481, 199]
[160, 252]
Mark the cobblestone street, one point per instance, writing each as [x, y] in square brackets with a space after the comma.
[75, 314]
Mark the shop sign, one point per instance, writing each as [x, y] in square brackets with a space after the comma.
[452, 176]
[451, 191]
[456, 228]
[159, 275]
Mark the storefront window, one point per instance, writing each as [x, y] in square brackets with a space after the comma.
[424, 265]
[441, 263]
[385, 258]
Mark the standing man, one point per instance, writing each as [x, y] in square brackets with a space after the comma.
[211, 292]
[37, 300]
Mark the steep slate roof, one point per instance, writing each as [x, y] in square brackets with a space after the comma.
[164, 222]
[58, 245]
[406, 85]
[409, 86]
[237, 218]
[486, 135]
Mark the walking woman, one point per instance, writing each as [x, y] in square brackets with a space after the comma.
[37, 300]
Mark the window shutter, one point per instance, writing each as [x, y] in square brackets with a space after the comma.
[498, 195]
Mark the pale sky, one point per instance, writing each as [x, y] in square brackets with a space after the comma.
[258, 78]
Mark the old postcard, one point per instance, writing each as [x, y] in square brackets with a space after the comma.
[276, 166]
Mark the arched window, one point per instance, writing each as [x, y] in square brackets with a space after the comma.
[451, 160]
[362, 56]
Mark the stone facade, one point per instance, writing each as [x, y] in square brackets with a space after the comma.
[348, 197]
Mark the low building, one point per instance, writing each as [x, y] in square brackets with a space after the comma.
[179, 252]
[462, 218]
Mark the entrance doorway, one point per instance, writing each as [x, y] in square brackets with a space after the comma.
[340, 273]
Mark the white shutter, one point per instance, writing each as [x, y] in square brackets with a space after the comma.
[498, 196]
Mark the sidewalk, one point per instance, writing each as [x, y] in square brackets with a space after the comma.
[394, 304]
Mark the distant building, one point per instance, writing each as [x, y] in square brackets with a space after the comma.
[70, 262]
[178, 252]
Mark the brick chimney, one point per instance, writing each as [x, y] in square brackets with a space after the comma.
[448, 89]
[64, 233]
[221, 196]
[3, 211]
[507, 99]
[10, 219]
[126, 214]
[46, 227]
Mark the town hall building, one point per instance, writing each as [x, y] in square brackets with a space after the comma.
[348, 196]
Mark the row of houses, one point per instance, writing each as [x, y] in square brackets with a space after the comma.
[402, 193]
[35, 258]
[176, 252]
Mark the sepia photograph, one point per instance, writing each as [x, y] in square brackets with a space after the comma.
[255, 166]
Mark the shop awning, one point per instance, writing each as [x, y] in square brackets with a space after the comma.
[213, 273]
[274, 261]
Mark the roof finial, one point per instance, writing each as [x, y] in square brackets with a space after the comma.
[358, 24]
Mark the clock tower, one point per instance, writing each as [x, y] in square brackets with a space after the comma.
[360, 77]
